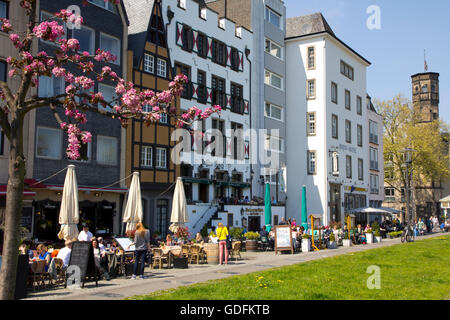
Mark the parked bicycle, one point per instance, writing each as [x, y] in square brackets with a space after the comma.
[408, 234]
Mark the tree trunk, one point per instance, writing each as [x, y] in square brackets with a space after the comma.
[13, 212]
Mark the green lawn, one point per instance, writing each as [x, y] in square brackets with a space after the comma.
[419, 270]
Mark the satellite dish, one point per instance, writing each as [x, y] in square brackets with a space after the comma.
[307, 28]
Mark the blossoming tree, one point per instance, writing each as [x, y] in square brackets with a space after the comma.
[78, 99]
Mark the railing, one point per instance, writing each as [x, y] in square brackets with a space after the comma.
[203, 215]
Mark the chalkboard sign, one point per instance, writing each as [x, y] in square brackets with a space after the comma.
[82, 255]
[283, 239]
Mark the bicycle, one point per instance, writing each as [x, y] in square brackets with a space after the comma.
[408, 234]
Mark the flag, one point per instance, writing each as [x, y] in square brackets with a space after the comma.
[425, 65]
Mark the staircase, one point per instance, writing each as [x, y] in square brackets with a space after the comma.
[205, 218]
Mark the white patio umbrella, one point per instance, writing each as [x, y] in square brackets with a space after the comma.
[179, 214]
[69, 214]
[133, 209]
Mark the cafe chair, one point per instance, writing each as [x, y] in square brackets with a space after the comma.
[60, 272]
[159, 258]
[185, 250]
[195, 253]
[235, 251]
[265, 244]
[37, 275]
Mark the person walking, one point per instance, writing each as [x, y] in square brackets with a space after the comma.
[222, 234]
[142, 245]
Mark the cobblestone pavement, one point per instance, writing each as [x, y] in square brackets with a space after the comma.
[164, 279]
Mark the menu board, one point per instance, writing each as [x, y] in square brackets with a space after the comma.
[82, 255]
[124, 243]
[283, 239]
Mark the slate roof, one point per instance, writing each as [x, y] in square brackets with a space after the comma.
[309, 24]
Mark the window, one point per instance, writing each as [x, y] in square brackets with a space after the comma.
[47, 16]
[273, 17]
[348, 166]
[106, 5]
[334, 127]
[187, 37]
[218, 91]
[373, 132]
[273, 111]
[238, 141]
[425, 88]
[4, 14]
[186, 70]
[359, 105]
[50, 86]
[274, 143]
[163, 116]
[311, 58]
[235, 59]
[359, 133]
[389, 174]
[311, 94]
[273, 80]
[201, 90]
[311, 123]
[389, 194]
[374, 184]
[348, 131]
[201, 45]
[109, 94]
[161, 158]
[110, 44]
[348, 100]
[311, 160]
[373, 159]
[86, 37]
[107, 150]
[334, 93]
[219, 52]
[237, 103]
[161, 68]
[149, 63]
[274, 49]
[85, 153]
[162, 214]
[346, 70]
[220, 126]
[48, 143]
[147, 156]
[360, 170]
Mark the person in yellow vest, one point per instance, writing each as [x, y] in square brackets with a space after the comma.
[222, 234]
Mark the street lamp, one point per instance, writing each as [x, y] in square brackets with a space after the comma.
[407, 154]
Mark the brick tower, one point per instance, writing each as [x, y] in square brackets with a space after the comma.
[425, 88]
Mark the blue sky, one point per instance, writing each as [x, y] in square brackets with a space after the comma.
[397, 49]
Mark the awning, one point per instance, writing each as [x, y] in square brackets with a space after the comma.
[239, 185]
[222, 183]
[93, 189]
[26, 192]
[196, 180]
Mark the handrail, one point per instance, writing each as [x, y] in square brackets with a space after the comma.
[204, 213]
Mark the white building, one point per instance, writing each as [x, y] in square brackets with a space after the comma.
[215, 55]
[326, 140]
[376, 156]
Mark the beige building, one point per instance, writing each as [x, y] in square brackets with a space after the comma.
[12, 11]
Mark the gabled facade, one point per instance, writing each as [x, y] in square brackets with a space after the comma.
[148, 149]
[103, 163]
[214, 55]
[326, 90]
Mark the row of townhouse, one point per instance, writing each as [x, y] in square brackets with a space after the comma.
[292, 80]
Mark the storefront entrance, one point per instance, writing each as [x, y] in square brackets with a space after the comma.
[335, 202]
[254, 223]
[46, 217]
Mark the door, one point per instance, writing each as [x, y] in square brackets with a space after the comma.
[203, 193]
[335, 202]
[162, 208]
[254, 223]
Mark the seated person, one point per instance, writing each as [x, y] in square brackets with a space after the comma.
[154, 241]
[114, 248]
[169, 240]
[100, 244]
[199, 238]
[100, 259]
[263, 232]
[64, 253]
[23, 248]
[44, 255]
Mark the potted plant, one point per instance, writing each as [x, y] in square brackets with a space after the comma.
[346, 242]
[332, 244]
[251, 243]
[377, 236]
[236, 234]
[306, 243]
[369, 235]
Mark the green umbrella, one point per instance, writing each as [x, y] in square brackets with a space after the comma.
[268, 208]
[304, 210]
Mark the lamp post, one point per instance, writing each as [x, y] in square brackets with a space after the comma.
[408, 161]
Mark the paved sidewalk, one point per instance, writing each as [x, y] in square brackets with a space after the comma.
[164, 279]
